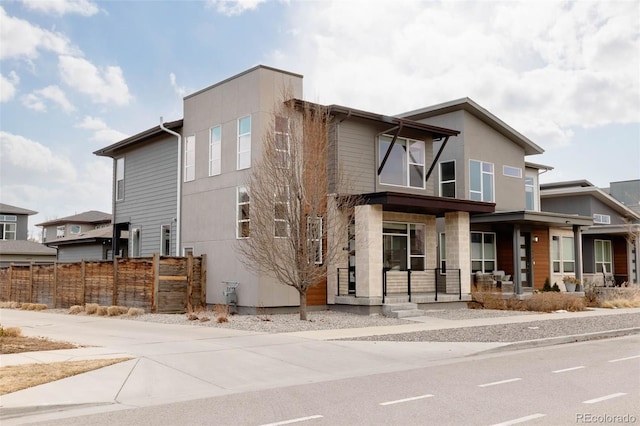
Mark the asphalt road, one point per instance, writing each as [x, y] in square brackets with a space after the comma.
[591, 382]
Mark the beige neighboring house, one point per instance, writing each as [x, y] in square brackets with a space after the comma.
[14, 245]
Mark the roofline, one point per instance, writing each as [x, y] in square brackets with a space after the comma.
[537, 166]
[590, 190]
[380, 118]
[109, 151]
[578, 183]
[469, 105]
[14, 210]
[66, 220]
[559, 219]
[250, 70]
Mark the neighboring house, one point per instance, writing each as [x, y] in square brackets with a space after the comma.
[627, 192]
[611, 244]
[14, 246]
[85, 235]
[487, 161]
[444, 192]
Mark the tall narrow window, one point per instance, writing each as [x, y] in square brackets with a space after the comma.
[448, 179]
[405, 162]
[135, 241]
[563, 254]
[529, 190]
[120, 179]
[443, 253]
[282, 142]
[281, 213]
[215, 151]
[603, 255]
[483, 252]
[555, 253]
[314, 239]
[480, 181]
[242, 218]
[165, 240]
[189, 158]
[244, 143]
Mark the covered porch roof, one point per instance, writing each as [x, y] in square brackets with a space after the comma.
[526, 217]
[424, 204]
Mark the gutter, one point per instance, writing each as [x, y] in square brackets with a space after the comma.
[179, 186]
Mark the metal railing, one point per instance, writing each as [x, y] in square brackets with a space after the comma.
[439, 278]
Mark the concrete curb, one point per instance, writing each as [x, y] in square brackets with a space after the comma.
[560, 340]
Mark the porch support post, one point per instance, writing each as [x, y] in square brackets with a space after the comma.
[458, 247]
[517, 268]
[577, 244]
[368, 251]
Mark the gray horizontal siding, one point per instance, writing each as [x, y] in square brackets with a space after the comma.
[79, 252]
[357, 156]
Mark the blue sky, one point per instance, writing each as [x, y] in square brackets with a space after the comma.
[79, 75]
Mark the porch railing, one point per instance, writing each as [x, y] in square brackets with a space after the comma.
[428, 281]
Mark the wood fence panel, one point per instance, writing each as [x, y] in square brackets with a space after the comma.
[99, 283]
[69, 291]
[19, 286]
[43, 282]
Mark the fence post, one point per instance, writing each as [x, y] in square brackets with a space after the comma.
[203, 280]
[55, 285]
[114, 295]
[30, 282]
[83, 282]
[190, 282]
[156, 282]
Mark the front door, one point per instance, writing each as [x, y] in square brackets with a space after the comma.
[524, 256]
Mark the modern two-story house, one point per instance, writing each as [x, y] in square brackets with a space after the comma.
[14, 233]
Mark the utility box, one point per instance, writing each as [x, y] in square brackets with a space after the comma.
[231, 297]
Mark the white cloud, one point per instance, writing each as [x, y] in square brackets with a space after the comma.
[102, 85]
[21, 39]
[35, 100]
[8, 86]
[542, 67]
[234, 7]
[179, 90]
[62, 7]
[102, 132]
[28, 162]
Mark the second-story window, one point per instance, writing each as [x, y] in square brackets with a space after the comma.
[242, 215]
[215, 151]
[189, 158]
[604, 219]
[120, 179]
[244, 142]
[60, 231]
[405, 162]
[480, 181]
[448, 179]
[530, 193]
[75, 229]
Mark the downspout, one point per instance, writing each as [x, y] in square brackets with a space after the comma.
[179, 186]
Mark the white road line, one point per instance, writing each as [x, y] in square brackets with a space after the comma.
[398, 401]
[564, 370]
[499, 383]
[300, 419]
[625, 359]
[520, 420]
[603, 398]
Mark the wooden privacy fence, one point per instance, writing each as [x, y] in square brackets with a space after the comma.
[156, 284]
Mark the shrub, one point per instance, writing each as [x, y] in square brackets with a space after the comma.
[40, 307]
[91, 308]
[222, 319]
[10, 331]
[134, 312]
[555, 288]
[114, 311]
[76, 309]
[10, 305]
[222, 312]
[547, 285]
[102, 311]
[552, 301]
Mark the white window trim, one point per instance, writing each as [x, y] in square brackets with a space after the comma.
[6, 231]
[245, 152]
[186, 250]
[517, 171]
[603, 219]
[136, 235]
[482, 188]
[119, 177]
[485, 259]
[190, 158]
[238, 210]
[595, 255]
[408, 163]
[561, 260]
[8, 218]
[455, 186]
[534, 192]
[60, 231]
[162, 246]
[215, 147]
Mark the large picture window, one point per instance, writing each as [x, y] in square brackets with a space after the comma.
[403, 246]
[242, 217]
[448, 179]
[483, 252]
[215, 151]
[244, 142]
[603, 256]
[189, 158]
[480, 181]
[405, 163]
[563, 254]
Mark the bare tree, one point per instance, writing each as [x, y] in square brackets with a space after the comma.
[288, 200]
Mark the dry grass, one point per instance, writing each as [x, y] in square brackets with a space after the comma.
[628, 297]
[17, 377]
[10, 332]
[102, 311]
[538, 302]
[114, 311]
[76, 309]
[134, 312]
[221, 312]
[91, 308]
[10, 305]
[33, 306]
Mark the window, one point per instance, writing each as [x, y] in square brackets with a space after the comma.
[8, 218]
[448, 179]
[405, 164]
[186, 251]
[60, 231]
[120, 179]
[242, 230]
[215, 151]
[603, 255]
[8, 231]
[135, 242]
[483, 252]
[282, 142]
[604, 219]
[480, 181]
[244, 143]
[314, 239]
[403, 246]
[443, 253]
[510, 171]
[281, 213]
[563, 254]
[529, 190]
[75, 229]
[189, 158]
[165, 240]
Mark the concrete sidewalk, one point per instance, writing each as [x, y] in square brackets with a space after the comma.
[176, 363]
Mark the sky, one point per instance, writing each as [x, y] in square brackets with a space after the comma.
[79, 75]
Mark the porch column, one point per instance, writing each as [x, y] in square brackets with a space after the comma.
[458, 248]
[577, 244]
[368, 251]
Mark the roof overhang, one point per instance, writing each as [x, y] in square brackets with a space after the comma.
[423, 204]
[593, 191]
[628, 229]
[110, 150]
[526, 217]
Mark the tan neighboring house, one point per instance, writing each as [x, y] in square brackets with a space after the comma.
[14, 244]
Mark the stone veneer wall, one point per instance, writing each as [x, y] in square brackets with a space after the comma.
[458, 242]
